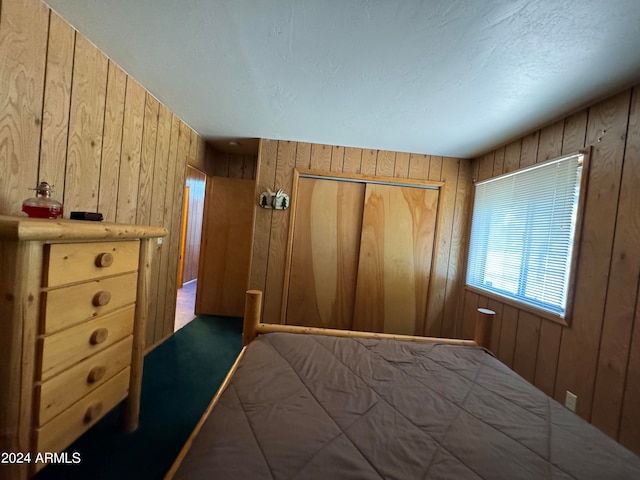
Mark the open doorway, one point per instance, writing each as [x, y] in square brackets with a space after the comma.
[195, 185]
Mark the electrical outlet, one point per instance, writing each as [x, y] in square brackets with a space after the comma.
[159, 240]
[570, 401]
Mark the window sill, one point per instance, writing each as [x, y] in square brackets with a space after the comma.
[564, 321]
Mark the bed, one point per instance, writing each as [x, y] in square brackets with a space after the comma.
[345, 405]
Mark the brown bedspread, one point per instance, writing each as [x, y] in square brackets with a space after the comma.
[306, 407]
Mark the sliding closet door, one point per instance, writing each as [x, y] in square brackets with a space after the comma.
[396, 249]
[324, 254]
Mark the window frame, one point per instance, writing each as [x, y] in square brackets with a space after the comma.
[575, 253]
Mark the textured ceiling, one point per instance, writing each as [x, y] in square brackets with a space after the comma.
[443, 77]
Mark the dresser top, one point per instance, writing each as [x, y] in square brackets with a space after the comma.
[25, 228]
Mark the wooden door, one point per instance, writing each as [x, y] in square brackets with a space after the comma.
[396, 250]
[226, 247]
[324, 253]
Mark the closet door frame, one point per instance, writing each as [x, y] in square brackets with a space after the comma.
[359, 178]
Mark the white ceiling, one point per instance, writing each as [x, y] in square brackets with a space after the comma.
[442, 77]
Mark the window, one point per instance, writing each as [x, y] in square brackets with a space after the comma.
[522, 234]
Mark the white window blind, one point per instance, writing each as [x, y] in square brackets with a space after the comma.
[522, 233]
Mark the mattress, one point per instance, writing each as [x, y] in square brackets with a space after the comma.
[307, 407]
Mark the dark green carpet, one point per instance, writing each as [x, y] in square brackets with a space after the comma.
[180, 378]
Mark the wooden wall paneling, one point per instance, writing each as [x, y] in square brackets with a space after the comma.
[435, 167]
[512, 156]
[418, 166]
[176, 224]
[386, 163]
[112, 142]
[337, 158]
[468, 314]
[221, 164]
[498, 161]
[147, 160]
[497, 307]
[547, 357]
[57, 101]
[369, 162]
[621, 289]
[550, 143]
[508, 334]
[303, 155]
[439, 274]
[452, 324]
[527, 337]
[236, 166]
[158, 195]
[23, 46]
[529, 152]
[131, 151]
[193, 151]
[485, 169]
[401, 169]
[575, 132]
[165, 316]
[630, 418]
[321, 157]
[86, 122]
[265, 178]
[606, 131]
[324, 253]
[285, 164]
[352, 160]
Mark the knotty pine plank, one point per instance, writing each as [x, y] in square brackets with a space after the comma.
[402, 165]
[579, 345]
[147, 160]
[498, 161]
[369, 162]
[337, 158]
[303, 155]
[130, 153]
[623, 284]
[469, 314]
[496, 307]
[418, 166]
[352, 160]
[86, 123]
[321, 157]
[508, 334]
[386, 163]
[57, 102]
[23, 46]
[435, 167]
[630, 419]
[112, 142]
[485, 170]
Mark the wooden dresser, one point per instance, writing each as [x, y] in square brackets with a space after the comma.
[73, 303]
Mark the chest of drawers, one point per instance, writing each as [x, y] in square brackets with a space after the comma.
[73, 302]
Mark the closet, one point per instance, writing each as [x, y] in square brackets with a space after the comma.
[360, 252]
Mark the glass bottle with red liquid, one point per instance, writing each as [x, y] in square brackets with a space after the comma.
[42, 205]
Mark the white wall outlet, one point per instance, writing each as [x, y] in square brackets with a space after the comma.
[570, 401]
[159, 240]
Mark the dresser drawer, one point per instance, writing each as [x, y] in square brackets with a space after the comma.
[62, 391]
[77, 262]
[66, 306]
[66, 348]
[56, 435]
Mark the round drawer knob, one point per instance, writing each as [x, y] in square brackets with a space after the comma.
[93, 412]
[104, 260]
[101, 298]
[96, 374]
[98, 336]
